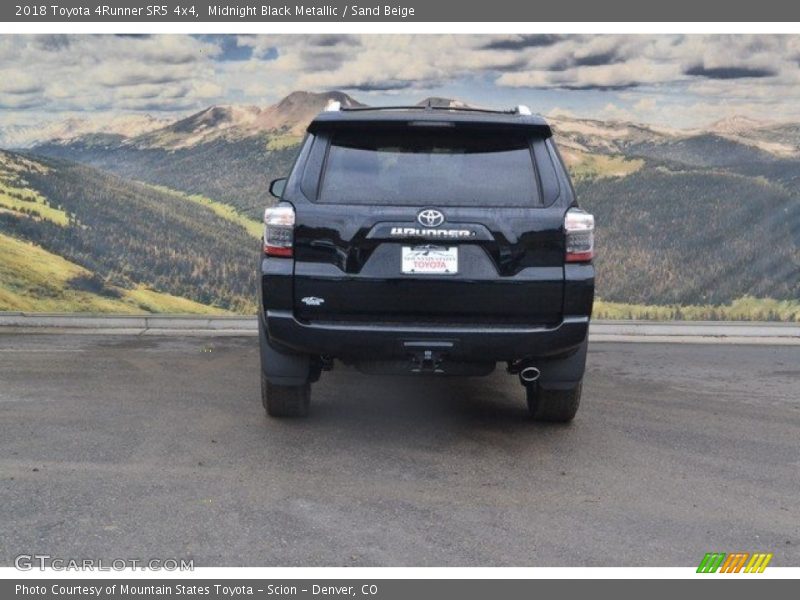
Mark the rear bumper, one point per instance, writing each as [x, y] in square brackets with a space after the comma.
[356, 340]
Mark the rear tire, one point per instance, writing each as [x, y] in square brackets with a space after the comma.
[553, 406]
[285, 400]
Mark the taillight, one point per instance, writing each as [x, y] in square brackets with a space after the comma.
[579, 230]
[279, 230]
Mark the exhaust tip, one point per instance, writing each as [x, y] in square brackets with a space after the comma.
[529, 374]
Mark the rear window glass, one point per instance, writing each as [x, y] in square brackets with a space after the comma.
[429, 166]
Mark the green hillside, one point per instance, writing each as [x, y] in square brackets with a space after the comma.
[746, 308]
[34, 280]
[585, 166]
[225, 211]
[130, 237]
[694, 237]
[705, 150]
[16, 197]
[236, 172]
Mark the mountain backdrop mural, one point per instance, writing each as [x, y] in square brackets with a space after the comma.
[160, 212]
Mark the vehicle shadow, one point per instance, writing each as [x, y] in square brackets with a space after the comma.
[428, 402]
[420, 425]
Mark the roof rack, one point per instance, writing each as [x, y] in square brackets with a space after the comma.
[518, 110]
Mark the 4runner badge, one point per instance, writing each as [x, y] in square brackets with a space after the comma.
[312, 301]
[430, 217]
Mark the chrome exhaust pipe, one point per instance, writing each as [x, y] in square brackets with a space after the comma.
[529, 374]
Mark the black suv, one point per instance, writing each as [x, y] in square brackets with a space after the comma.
[426, 240]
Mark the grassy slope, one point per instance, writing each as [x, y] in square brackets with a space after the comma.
[283, 142]
[693, 237]
[32, 279]
[17, 198]
[743, 309]
[225, 211]
[588, 168]
[236, 172]
[584, 166]
[134, 237]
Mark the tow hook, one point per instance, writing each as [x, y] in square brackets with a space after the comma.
[427, 355]
[427, 361]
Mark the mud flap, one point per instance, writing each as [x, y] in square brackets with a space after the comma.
[565, 373]
[283, 368]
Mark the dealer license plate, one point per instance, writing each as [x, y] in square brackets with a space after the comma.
[430, 260]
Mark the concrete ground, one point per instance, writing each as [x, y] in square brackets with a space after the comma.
[158, 447]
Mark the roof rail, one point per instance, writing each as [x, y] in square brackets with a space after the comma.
[519, 110]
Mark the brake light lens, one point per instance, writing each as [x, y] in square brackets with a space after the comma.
[279, 231]
[579, 230]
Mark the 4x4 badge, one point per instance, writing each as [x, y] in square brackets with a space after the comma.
[430, 217]
[312, 301]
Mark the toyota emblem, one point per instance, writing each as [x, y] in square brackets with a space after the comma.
[430, 217]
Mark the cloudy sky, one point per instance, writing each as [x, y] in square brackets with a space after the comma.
[673, 80]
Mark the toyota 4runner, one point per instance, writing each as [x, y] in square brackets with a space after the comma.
[426, 240]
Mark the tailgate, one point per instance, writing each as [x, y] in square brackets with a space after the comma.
[349, 265]
[459, 199]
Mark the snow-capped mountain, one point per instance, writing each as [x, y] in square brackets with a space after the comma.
[123, 126]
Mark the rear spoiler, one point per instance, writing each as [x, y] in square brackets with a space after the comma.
[352, 119]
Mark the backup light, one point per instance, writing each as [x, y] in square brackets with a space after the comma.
[579, 231]
[279, 230]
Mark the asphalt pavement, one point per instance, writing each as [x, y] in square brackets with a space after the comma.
[158, 447]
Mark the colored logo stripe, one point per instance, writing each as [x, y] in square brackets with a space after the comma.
[734, 562]
[758, 562]
[711, 562]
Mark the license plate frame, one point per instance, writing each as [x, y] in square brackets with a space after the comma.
[429, 260]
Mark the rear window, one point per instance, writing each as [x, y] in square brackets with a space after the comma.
[429, 166]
